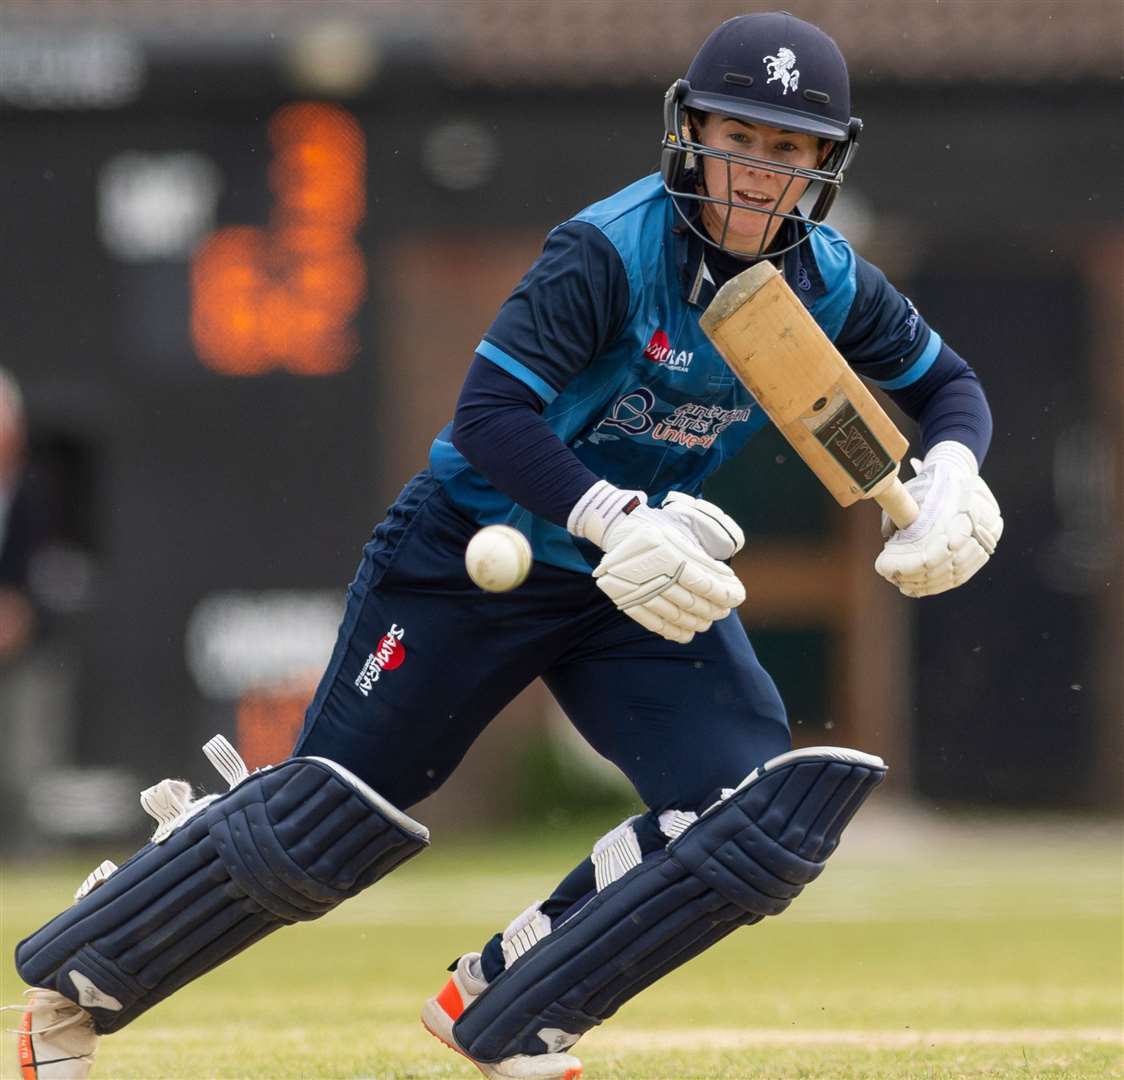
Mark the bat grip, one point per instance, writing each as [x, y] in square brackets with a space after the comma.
[898, 503]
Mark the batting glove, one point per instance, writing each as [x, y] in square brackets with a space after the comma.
[718, 534]
[654, 569]
[956, 531]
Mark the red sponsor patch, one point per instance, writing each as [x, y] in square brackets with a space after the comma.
[658, 348]
[388, 655]
[660, 351]
[391, 651]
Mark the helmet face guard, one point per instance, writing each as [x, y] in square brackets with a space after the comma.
[681, 150]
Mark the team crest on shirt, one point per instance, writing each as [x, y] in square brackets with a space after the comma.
[660, 351]
[782, 68]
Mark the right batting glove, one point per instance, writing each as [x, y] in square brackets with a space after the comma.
[655, 569]
[956, 531]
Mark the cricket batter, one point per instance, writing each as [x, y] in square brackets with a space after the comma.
[594, 409]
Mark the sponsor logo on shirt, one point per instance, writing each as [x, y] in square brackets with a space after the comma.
[911, 320]
[690, 425]
[696, 425]
[660, 351]
[388, 655]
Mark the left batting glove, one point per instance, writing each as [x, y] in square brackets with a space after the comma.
[718, 534]
[655, 570]
[956, 531]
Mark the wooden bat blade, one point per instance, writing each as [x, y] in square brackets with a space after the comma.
[783, 358]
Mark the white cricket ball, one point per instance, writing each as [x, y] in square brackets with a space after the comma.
[498, 558]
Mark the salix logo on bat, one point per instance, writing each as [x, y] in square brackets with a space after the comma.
[783, 67]
[388, 655]
[660, 351]
[854, 446]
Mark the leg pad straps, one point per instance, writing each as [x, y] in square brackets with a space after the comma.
[287, 844]
[746, 857]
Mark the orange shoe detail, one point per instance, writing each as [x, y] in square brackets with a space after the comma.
[26, 1054]
[451, 1046]
[570, 1074]
[450, 1000]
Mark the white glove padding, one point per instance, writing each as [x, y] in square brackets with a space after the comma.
[718, 534]
[654, 569]
[956, 531]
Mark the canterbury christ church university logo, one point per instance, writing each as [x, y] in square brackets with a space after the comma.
[782, 67]
[389, 653]
[660, 351]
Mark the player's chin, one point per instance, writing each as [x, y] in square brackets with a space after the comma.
[746, 235]
[752, 219]
[742, 231]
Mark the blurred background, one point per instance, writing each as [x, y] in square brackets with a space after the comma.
[249, 248]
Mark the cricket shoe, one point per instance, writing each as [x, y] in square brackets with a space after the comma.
[440, 1013]
[56, 1038]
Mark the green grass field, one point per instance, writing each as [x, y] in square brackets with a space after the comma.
[927, 950]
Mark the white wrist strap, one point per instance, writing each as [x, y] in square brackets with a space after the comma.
[599, 507]
[955, 454]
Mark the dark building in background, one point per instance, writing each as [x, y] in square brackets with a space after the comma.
[250, 277]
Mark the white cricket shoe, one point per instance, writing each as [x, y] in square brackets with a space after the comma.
[440, 1013]
[56, 1038]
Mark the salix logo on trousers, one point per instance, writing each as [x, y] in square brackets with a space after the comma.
[782, 67]
[660, 351]
[386, 657]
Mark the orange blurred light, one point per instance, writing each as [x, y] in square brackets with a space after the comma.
[268, 724]
[284, 297]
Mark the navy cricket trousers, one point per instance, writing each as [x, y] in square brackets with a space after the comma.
[424, 660]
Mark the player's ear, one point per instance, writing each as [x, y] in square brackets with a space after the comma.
[695, 122]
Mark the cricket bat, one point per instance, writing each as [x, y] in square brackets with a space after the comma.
[782, 357]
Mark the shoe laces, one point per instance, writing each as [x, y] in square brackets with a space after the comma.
[70, 1014]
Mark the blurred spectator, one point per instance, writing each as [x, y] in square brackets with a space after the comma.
[40, 796]
[17, 614]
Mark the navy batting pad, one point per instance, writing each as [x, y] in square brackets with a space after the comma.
[287, 844]
[746, 857]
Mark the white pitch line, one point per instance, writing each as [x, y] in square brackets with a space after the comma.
[876, 1039]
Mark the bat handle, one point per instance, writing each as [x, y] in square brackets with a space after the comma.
[898, 503]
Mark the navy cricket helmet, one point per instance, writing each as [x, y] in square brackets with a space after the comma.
[772, 69]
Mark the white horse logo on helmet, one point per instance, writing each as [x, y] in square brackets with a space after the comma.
[783, 67]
